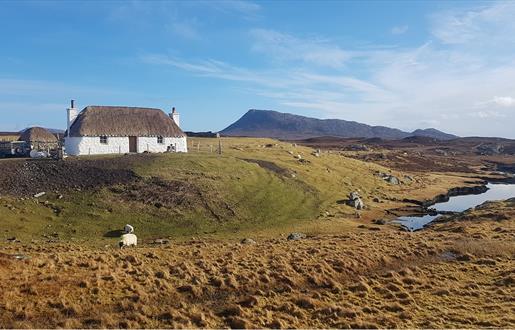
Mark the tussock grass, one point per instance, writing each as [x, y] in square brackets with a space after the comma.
[324, 281]
[340, 276]
[484, 248]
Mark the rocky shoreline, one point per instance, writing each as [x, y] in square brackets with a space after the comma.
[423, 207]
[457, 191]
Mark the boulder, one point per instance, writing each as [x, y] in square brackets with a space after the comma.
[296, 236]
[161, 241]
[490, 149]
[392, 180]
[248, 241]
[382, 175]
[354, 195]
[38, 154]
[359, 147]
[388, 178]
[357, 203]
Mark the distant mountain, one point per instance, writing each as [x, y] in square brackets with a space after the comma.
[268, 123]
[433, 133]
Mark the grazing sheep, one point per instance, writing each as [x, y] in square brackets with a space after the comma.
[128, 229]
[128, 240]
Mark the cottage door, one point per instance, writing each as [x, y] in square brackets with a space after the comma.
[133, 144]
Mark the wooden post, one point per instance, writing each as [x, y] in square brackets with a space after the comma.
[219, 143]
[198, 146]
[211, 148]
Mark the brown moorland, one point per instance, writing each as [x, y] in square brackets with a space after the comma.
[62, 270]
[457, 274]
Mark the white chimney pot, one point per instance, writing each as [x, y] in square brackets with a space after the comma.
[175, 116]
[72, 114]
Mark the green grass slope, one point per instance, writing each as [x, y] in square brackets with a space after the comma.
[256, 184]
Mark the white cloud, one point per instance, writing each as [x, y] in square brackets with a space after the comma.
[217, 69]
[182, 18]
[239, 6]
[490, 24]
[186, 30]
[504, 101]
[487, 114]
[285, 47]
[443, 82]
[399, 29]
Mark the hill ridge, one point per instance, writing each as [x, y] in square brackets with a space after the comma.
[275, 124]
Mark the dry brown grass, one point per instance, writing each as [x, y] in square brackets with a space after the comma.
[9, 137]
[360, 279]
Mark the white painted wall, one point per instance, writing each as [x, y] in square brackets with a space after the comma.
[150, 144]
[86, 145]
[76, 146]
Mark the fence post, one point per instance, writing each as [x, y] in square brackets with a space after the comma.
[219, 143]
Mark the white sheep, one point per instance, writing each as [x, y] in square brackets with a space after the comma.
[128, 240]
[128, 229]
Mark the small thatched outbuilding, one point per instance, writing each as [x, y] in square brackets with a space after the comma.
[39, 138]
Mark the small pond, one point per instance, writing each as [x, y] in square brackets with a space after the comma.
[460, 204]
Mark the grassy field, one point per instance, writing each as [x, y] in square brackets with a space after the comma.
[67, 271]
[9, 137]
[255, 187]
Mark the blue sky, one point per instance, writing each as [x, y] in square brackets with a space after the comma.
[408, 65]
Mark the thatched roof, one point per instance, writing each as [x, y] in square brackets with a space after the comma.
[37, 134]
[124, 121]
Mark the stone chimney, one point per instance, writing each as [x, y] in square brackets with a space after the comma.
[175, 116]
[71, 115]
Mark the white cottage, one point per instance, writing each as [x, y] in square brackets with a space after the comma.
[118, 130]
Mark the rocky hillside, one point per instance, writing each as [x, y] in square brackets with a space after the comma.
[273, 124]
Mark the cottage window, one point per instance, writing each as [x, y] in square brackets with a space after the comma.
[160, 140]
[103, 139]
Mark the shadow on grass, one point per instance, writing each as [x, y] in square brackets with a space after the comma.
[114, 233]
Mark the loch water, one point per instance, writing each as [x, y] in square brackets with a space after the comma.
[497, 191]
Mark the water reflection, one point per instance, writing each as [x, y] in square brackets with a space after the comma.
[460, 204]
